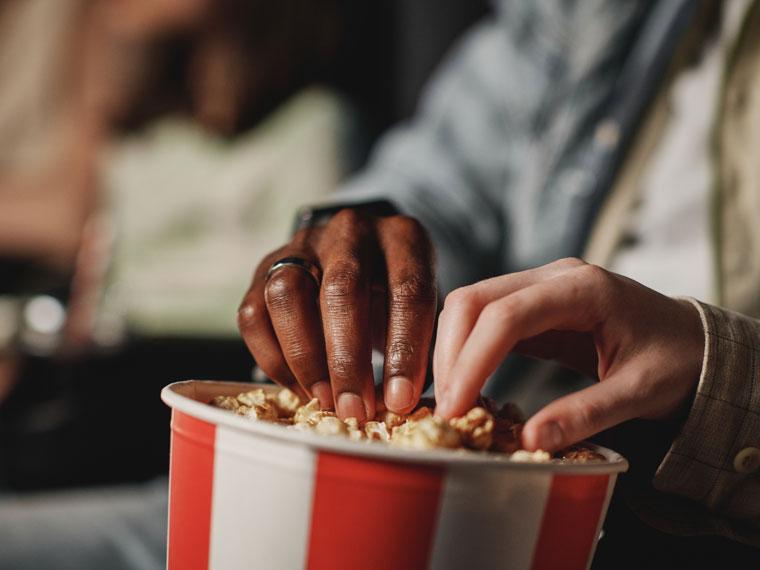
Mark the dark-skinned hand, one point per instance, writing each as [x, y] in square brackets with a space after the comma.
[378, 288]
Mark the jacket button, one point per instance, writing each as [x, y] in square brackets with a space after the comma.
[607, 134]
[747, 460]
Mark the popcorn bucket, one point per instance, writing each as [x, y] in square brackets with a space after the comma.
[246, 494]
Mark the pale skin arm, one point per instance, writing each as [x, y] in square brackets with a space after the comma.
[645, 349]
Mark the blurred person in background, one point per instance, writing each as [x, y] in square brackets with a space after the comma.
[139, 142]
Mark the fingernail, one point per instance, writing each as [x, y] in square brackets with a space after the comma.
[322, 392]
[399, 394]
[351, 406]
[550, 436]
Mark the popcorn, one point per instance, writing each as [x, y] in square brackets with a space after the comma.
[475, 428]
[390, 419]
[525, 456]
[354, 432]
[310, 414]
[580, 454]
[330, 425]
[420, 413]
[253, 398]
[376, 431]
[226, 403]
[428, 433]
[486, 427]
[263, 412]
[287, 403]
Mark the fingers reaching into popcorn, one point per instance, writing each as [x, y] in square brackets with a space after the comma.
[485, 427]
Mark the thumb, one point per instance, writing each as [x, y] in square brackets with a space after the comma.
[580, 415]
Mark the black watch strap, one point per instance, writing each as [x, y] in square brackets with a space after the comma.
[311, 217]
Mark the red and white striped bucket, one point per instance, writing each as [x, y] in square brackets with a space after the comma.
[249, 495]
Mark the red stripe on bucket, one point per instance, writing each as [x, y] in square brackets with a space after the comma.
[570, 523]
[403, 500]
[190, 483]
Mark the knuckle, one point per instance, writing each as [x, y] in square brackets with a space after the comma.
[413, 288]
[569, 263]
[399, 353]
[460, 299]
[498, 311]
[301, 360]
[342, 364]
[406, 226]
[248, 313]
[593, 274]
[347, 219]
[344, 279]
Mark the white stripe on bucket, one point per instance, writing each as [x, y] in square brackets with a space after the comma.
[491, 503]
[261, 487]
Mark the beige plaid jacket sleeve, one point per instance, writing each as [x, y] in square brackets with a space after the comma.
[715, 460]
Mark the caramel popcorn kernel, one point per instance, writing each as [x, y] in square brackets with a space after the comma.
[525, 456]
[330, 425]
[419, 414]
[354, 432]
[287, 403]
[376, 431]
[390, 419]
[226, 403]
[580, 454]
[253, 398]
[475, 428]
[263, 412]
[428, 433]
[309, 414]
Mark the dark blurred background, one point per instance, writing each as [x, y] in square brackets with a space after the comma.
[132, 136]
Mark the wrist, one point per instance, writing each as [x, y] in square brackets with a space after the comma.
[316, 216]
[695, 329]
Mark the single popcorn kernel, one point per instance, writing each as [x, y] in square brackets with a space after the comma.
[264, 412]
[475, 428]
[376, 431]
[287, 402]
[428, 433]
[253, 398]
[310, 414]
[524, 456]
[226, 403]
[390, 419]
[330, 425]
[354, 432]
[419, 414]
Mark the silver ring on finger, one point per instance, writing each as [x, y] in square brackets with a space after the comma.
[304, 264]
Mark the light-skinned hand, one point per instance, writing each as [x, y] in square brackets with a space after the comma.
[645, 349]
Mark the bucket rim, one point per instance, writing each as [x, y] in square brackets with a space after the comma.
[191, 396]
